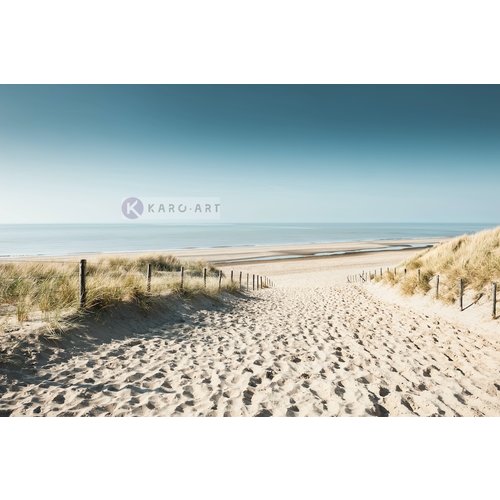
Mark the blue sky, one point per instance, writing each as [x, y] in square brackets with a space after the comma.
[271, 153]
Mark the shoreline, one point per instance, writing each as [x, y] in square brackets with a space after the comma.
[254, 253]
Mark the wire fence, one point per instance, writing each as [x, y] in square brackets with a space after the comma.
[439, 286]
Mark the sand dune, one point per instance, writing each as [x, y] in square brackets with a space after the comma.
[310, 350]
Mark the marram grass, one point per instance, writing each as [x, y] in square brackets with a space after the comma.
[473, 258]
[52, 289]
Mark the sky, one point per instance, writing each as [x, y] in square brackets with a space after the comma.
[270, 153]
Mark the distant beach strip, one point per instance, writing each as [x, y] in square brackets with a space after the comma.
[286, 256]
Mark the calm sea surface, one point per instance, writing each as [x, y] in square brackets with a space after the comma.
[63, 239]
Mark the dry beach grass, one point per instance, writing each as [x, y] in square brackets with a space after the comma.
[51, 289]
[474, 259]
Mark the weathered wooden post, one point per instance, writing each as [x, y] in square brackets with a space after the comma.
[232, 276]
[248, 277]
[220, 279]
[83, 284]
[205, 277]
[240, 278]
[461, 293]
[494, 293]
[437, 286]
[182, 277]
[148, 278]
[253, 281]
[261, 282]
[418, 274]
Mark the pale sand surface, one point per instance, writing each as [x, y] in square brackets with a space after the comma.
[313, 345]
[226, 254]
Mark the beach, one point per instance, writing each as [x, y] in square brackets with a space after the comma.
[312, 345]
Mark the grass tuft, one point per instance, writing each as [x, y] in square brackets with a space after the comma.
[52, 289]
[474, 258]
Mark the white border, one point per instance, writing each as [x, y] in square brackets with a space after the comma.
[243, 458]
[259, 41]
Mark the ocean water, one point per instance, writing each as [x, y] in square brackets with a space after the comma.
[66, 239]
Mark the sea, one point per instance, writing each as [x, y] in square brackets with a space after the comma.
[22, 240]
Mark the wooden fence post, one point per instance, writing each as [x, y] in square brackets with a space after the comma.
[240, 278]
[220, 279]
[437, 286]
[418, 273]
[253, 281]
[182, 277]
[494, 293]
[83, 284]
[148, 278]
[205, 277]
[461, 293]
[232, 276]
[247, 280]
[261, 282]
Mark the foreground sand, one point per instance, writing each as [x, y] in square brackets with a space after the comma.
[313, 345]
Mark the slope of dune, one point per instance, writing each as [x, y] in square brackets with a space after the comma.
[474, 259]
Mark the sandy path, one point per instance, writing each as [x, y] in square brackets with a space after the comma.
[330, 350]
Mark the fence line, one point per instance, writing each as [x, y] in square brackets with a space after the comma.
[83, 272]
[262, 281]
[365, 276]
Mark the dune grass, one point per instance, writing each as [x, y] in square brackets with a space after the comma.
[474, 258]
[50, 290]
